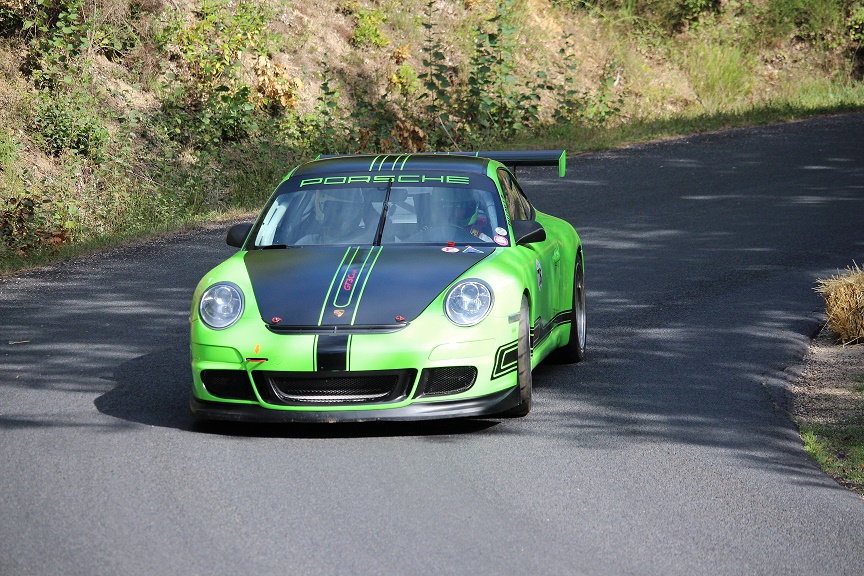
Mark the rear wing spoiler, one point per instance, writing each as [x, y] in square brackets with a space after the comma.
[515, 158]
[510, 158]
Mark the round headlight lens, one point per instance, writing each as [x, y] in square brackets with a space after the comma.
[468, 302]
[221, 305]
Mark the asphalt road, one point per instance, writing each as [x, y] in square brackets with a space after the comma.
[668, 451]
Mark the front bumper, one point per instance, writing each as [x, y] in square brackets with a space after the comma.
[429, 344]
[489, 405]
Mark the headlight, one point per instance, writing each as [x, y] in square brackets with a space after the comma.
[221, 305]
[468, 302]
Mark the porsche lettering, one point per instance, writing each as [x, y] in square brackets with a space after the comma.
[378, 179]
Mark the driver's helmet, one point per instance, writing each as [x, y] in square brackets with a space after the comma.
[457, 207]
[338, 212]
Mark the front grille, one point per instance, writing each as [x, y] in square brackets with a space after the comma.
[229, 384]
[337, 329]
[327, 388]
[449, 380]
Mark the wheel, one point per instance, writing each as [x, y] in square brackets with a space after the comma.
[523, 360]
[574, 350]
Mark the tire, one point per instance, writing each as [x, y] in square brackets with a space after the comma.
[574, 350]
[523, 360]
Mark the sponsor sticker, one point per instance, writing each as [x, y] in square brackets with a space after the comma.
[539, 275]
[450, 249]
[338, 313]
[275, 320]
[471, 250]
[400, 319]
[501, 231]
[501, 240]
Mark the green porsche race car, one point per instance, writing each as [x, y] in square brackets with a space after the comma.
[390, 287]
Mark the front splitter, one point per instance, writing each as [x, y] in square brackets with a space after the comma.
[491, 405]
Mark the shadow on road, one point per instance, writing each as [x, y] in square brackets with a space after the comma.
[154, 390]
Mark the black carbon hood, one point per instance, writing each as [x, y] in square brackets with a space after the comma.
[352, 286]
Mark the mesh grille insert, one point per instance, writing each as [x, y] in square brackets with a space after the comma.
[231, 384]
[291, 388]
[449, 380]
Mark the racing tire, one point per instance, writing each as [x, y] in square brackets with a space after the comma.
[574, 350]
[523, 360]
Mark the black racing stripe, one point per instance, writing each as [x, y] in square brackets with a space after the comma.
[506, 356]
[296, 287]
[331, 353]
[291, 285]
[542, 330]
[406, 279]
[344, 296]
[561, 318]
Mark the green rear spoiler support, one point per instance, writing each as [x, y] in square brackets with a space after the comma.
[510, 158]
[515, 158]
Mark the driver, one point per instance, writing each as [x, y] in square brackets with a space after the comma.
[337, 217]
[459, 208]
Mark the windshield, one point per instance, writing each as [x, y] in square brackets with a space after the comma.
[385, 210]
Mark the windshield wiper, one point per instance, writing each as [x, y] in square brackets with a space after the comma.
[384, 208]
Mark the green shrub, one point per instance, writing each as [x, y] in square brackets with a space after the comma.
[12, 17]
[208, 101]
[210, 44]
[721, 76]
[68, 122]
[405, 80]
[367, 28]
[666, 15]
[820, 21]
[855, 25]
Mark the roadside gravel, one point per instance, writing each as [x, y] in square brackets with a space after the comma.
[830, 389]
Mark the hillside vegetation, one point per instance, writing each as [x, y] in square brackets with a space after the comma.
[124, 118]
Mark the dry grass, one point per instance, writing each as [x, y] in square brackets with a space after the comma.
[844, 303]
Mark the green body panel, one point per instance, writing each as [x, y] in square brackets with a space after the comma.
[543, 271]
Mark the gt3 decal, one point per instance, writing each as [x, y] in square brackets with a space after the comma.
[352, 273]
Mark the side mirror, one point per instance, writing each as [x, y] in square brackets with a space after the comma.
[527, 231]
[237, 234]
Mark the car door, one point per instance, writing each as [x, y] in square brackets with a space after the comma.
[543, 257]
